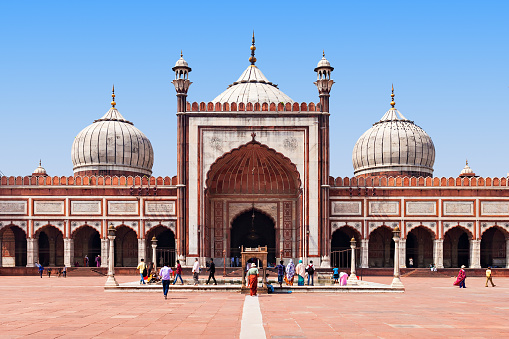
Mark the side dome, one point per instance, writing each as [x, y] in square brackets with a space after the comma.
[112, 146]
[394, 146]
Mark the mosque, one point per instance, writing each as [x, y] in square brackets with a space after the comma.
[253, 169]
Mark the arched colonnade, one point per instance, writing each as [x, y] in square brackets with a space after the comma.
[420, 247]
[50, 246]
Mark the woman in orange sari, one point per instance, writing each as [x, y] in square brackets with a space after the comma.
[253, 279]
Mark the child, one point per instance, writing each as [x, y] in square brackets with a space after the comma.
[335, 272]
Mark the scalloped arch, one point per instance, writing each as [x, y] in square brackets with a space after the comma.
[253, 168]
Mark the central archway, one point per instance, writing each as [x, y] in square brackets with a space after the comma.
[252, 229]
[253, 174]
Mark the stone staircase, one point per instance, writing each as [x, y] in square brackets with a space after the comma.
[86, 271]
[426, 273]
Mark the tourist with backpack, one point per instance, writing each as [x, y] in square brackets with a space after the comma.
[311, 273]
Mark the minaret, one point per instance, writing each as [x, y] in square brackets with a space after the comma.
[324, 85]
[324, 82]
[182, 84]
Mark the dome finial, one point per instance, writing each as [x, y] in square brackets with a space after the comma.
[113, 103]
[40, 162]
[392, 97]
[323, 53]
[252, 58]
[181, 54]
[466, 162]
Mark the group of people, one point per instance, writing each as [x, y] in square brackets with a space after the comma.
[462, 276]
[86, 261]
[287, 273]
[60, 270]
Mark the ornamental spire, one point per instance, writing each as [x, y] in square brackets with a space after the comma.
[252, 58]
[113, 103]
[392, 97]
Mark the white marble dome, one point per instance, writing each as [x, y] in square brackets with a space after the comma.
[252, 86]
[112, 146]
[40, 170]
[394, 145]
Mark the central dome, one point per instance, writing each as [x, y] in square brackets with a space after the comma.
[252, 86]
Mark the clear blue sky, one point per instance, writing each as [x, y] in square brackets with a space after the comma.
[448, 61]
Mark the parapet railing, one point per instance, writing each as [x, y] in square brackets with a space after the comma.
[127, 181]
[417, 182]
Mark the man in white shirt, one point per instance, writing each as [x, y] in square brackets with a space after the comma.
[165, 274]
[196, 271]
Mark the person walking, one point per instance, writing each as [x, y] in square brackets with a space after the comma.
[196, 271]
[85, 261]
[64, 271]
[41, 269]
[252, 276]
[280, 273]
[311, 273]
[489, 277]
[49, 272]
[212, 271]
[178, 273]
[462, 275]
[300, 269]
[143, 271]
[98, 261]
[165, 273]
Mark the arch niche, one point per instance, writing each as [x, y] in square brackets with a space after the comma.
[340, 245]
[126, 247]
[14, 246]
[50, 242]
[253, 179]
[419, 247]
[165, 251]
[493, 247]
[87, 242]
[457, 247]
[381, 247]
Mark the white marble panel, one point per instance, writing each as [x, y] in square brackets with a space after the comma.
[13, 207]
[49, 207]
[458, 208]
[346, 208]
[86, 207]
[123, 207]
[159, 207]
[495, 208]
[384, 208]
[421, 208]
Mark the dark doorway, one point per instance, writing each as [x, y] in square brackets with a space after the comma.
[456, 247]
[253, 229]
[126, 247]
[165, 253]
[87, 242]
[381, 248]
[51, 246]
[493, 248]
[340, 247]
[419, 247]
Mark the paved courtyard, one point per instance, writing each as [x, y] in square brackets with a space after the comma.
[77, 307]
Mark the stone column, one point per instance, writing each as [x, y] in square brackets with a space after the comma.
[352, 279]
[507, 253]
[402, 253]
[1, 250]
[475, 253]
[142, 250]
[52, 252]
[438, 253]
[68, 252]
[365, 253]
[30, 252]
[396, 281]
[111, 281]
[104, 252]
[154, 252]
